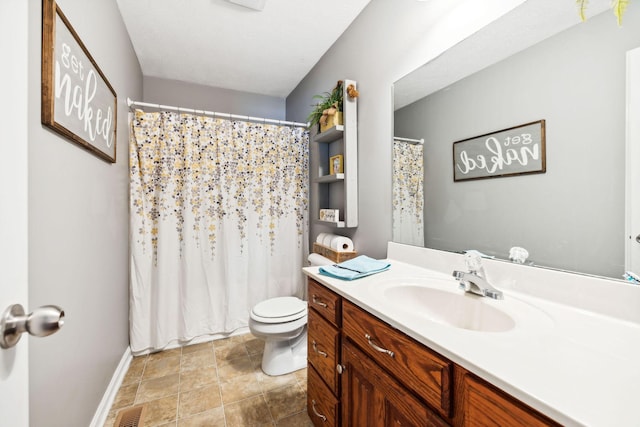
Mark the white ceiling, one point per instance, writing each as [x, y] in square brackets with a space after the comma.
[220, 44]
[525, 26]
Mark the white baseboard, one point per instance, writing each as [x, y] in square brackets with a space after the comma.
[112, 390]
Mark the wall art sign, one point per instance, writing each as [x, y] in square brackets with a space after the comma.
[77, 100]
[518, 150]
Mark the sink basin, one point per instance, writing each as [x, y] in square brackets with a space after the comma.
[460, 310]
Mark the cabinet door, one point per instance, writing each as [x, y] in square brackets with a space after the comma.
[484, 405]
[372, 398]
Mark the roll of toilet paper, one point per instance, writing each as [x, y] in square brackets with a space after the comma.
[318, 260]
[327, 240]
[341, 244]
[320, 238]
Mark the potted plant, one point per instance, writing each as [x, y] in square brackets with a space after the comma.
[328, 111]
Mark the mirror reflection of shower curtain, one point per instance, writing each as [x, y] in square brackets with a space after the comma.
[218, 223]
[408, 194]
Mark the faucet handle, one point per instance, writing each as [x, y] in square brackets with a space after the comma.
[473, 260]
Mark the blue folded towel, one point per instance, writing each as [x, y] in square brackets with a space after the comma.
[355, 268]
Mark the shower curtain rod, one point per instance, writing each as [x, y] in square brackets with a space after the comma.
[132, 103]
[410, 140]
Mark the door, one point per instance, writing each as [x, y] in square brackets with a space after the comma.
[372, 398]
[632, 249]
[14, 379]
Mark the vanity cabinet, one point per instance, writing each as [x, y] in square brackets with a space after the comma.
[323, 355]
[364, 372]
[338, 190]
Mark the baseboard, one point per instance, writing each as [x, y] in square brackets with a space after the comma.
[112, 390]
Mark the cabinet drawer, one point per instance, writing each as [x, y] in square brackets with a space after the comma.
[326, 302]
[423, 371]
[323, 349]
[322, 405]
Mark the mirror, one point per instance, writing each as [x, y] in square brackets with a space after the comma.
[528, 65]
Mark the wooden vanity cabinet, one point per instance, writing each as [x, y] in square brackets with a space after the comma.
[323, 355]
[363, 372]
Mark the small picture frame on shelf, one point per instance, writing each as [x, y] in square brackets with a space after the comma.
[336, 164]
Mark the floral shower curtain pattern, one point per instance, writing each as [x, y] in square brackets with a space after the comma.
[218, 213]
[408, 194]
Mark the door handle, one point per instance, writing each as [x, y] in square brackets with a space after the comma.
[638, 238]
[44, 321]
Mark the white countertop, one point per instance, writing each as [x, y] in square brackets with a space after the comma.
[576, 366]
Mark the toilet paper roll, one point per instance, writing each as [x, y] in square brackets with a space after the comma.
[320, 238]
[318, 260]
[341, 244]
[327, 239]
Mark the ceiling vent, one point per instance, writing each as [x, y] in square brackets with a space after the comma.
[251, 4]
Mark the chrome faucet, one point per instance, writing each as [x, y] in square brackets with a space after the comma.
[472, 282]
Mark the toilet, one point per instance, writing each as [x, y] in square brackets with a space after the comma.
[282, 323]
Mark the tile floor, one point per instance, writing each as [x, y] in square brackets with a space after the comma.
[213, 384]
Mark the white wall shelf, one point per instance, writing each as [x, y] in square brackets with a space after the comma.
[340, 190]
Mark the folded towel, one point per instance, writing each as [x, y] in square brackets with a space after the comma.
[360, 266]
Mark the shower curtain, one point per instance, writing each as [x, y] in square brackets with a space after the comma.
[218, 222]
[408, 194]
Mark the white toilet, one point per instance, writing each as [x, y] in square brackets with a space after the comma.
[282, 323]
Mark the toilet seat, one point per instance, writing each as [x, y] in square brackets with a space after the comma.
[279, 310]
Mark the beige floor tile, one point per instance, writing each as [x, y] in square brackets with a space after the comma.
[199, 400]
[161, 411]
[190, 380]
[301, 419]
[204, 384]
[230, 351]
[197, 347]
[240, 387]
[254, 346]
[174, 352]
[268, 382]
[249, 412]
[231, 341]
[212, 418]
[157, 388]
[161, 367]
[197, 360]
[111, 418]
[286, 401]
[301, 375]
[126, 396]
[233, 368]
[136, 368]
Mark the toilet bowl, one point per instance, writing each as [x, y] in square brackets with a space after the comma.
[282, 323]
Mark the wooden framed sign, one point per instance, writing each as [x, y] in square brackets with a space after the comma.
[515, 151]
[77, 100]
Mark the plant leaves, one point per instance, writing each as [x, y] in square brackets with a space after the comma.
[619, 7]
[582, 7]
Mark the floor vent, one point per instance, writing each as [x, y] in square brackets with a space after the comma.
[131, 417]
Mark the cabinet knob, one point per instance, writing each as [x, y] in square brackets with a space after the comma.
[340, 368]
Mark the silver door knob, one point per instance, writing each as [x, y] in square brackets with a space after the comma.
[44, 321]
[638, 238]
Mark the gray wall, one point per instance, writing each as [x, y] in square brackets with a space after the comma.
[387, 40]
[191, 95]
[572, 217]
[78, 232]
